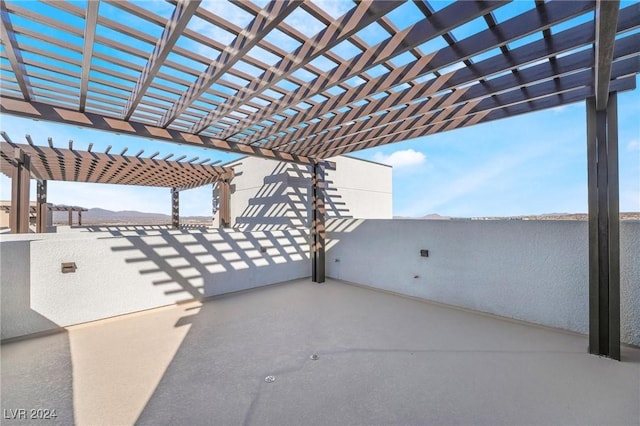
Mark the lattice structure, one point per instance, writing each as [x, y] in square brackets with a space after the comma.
[291, 80]
[51, 163]
[53, 208]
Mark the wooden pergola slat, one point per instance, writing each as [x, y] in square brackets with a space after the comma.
[606, 23]
[510, 30]
[482, 116]
[488, 94]
[49, 112]
[353, 21]
[182, 13]
[80, 166]
[91, 20]
[426, 29]
[273, 13]
[13, 53]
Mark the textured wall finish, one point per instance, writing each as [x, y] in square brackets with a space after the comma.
[273, 195]
[530, 270]
[120, 272]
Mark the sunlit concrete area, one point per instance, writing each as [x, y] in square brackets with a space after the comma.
[381, 359]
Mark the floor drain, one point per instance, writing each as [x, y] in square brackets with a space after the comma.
[314, 357]
[270, 379]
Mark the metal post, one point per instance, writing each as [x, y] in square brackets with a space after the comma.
[225, 202]
[604, 226]
[175, 208]
[19, 215]
[214, 203]
[317, 224]
[41, 207]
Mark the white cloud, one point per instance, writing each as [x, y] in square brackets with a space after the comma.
[401, 159]
[634, 145]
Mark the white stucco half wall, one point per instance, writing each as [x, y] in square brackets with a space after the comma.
[121, 272]
[535, 271]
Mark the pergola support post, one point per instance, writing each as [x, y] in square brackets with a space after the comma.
[317, 223]
[70, 217]
[175, 208]
[79, 217]
[225, 202]
[604, 226]
[41, 207]
[19, 215]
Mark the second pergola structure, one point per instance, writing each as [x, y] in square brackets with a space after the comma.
[23, 162]
[39, 211]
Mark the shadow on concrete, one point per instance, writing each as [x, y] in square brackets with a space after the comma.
[33, 376]
[38, 373]
[284, 201]
[18, 317]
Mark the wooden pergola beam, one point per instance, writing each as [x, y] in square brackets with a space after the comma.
[318, 230]
[494, 94]
[41, 206]
[173, 29]
[466, 119]
[90, 23]
[427, 29]
[112, 43]
[604, 228]
[175, 208]
[82, 166]
[275, 12]
[13, 53]
[606, 23]
[20, 179]
[363, 14]
[509, 30]
[47, 112]
[437, 89]
[224, 214]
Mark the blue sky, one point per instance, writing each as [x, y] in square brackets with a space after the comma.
[529, 164]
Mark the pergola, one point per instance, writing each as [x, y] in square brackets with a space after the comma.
[34, 211]
[382, 72]
[21, 162]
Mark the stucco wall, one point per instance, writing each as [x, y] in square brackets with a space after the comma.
[272, 195]
[127, 271]
[535, 271]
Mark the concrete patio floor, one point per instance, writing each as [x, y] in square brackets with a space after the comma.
[382, 359]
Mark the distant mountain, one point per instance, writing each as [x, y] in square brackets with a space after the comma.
[97, 213]
[435, 216]
[547, 216]
[432, 216]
